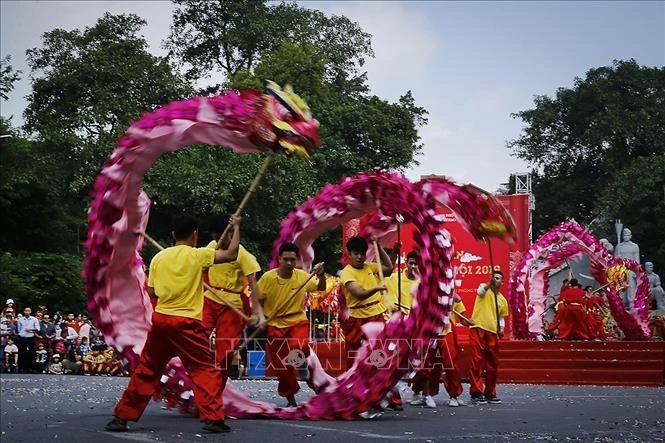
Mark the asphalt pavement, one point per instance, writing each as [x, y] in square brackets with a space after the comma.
[50, 408]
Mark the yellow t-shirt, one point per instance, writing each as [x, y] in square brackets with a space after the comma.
[458, 306]
[176, 274]
[407, 285]
[367, 278]
[278, 296]
[484, 311]
[231, 277]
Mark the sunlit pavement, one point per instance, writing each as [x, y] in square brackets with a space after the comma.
[40, 408]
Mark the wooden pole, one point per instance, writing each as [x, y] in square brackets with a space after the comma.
[399, 268]
[377, 253]
[496, 296]
[205, 285]
[248, 195]
[462, 317]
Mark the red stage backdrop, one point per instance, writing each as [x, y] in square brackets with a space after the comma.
[472, 256]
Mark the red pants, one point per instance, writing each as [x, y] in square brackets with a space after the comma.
[172, 336]
[484, 357]
[571, 321]
[353, 335]
[229, 327]
[438, 360]
[287, 349]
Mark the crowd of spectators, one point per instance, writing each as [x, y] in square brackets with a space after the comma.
[53, 344]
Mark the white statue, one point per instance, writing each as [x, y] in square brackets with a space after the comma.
[628, 249]
[607, 244]
[657, 291]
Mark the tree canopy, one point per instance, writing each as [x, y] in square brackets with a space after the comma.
[89, 84]
[7, 77]
[595, 149]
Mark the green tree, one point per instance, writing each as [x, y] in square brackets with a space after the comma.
[225, 37]
[87, 86]
[7, 77]
[35, 279]
[637, 194]
[36, 210]
[579, 141]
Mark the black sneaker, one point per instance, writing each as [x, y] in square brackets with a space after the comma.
[395, 406]
[494, 400]
[116, 425]
[478, 399]
[291, 402]
[216, 426]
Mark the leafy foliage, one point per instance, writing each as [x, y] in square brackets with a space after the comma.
[7, 77]
[37, 211]
[638, 194]
[89, 85]
[35, 279]
[582, 142]
[225, 37]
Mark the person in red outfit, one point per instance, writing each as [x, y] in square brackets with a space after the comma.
[594, 305]
[176, 278]
[571, 320]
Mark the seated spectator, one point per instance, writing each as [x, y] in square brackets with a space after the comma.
[11, 356]
[113, 364]
[56, 366]
[83, 347]
[94, 362]
[59, 346]
[73, 364]
[41, 358]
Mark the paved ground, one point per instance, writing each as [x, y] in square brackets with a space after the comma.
[41, 408]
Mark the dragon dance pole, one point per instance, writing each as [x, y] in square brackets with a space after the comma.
[496, 296]
[399, 268]
[248, 195]
[377, 253]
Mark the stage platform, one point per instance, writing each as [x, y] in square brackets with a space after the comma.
[615, 363]
[618, 363]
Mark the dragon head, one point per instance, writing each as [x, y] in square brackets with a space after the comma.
[286, 123]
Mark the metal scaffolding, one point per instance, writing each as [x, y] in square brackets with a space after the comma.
[523, 186]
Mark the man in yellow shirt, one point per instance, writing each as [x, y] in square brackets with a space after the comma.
[363, 293]
[176, 279]
[407, 281]
[282, 293]
[228, 280]
[440, 358]
[484, 339]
